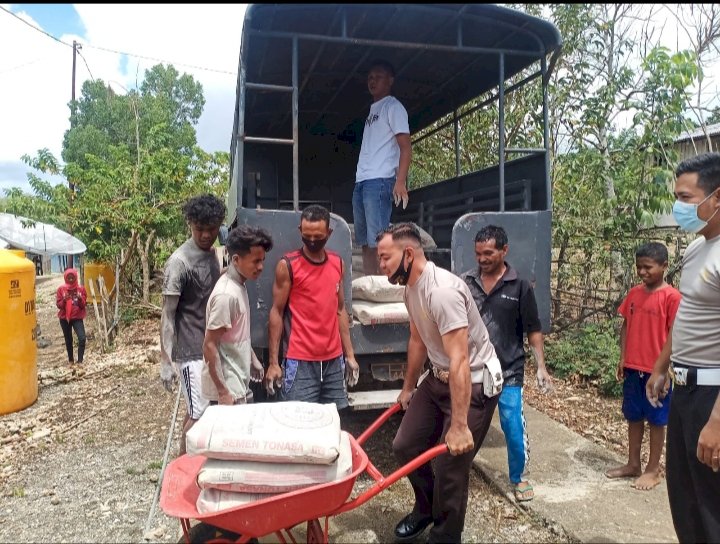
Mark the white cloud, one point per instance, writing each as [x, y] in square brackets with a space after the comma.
[36, 71]
[205, 36]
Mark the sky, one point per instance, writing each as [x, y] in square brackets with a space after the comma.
[36, 70]
[202, 40]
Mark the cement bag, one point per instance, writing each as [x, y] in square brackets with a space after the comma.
[214, 500]
[376, 313]
[273, 432]
[254, 477]
[376, 289]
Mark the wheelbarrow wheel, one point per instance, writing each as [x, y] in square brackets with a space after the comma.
[204, 533]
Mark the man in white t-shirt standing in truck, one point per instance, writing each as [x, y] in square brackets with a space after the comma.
[383, 165]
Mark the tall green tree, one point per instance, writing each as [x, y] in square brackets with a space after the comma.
[133, 160]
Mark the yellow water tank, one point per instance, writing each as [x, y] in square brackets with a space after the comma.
[19, 252]
[93, 271]
[18, 334]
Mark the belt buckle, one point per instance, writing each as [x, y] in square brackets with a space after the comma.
[440, 374]
[680, 375]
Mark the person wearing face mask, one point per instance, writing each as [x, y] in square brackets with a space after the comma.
[308, 314]
[453, 403]
[71, 300]
[230, 362]
[691, 355]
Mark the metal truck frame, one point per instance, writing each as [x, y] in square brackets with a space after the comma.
[300, 108]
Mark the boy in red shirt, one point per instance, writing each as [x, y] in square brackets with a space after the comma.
[649, 310]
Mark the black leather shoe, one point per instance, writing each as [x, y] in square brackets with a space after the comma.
[411, 527]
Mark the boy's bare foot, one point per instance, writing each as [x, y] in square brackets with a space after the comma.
[625, 471]
[647, 481]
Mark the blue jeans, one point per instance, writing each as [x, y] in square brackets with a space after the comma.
[512, 421]
[372, 206]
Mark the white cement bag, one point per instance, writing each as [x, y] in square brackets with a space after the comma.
[214, 500]
[254, 477]
[376, 289]
[273, 432]
[376, 313]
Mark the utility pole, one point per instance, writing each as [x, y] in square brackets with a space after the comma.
[76, 48]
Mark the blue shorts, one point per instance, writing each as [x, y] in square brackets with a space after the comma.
[636, 407]
[315, 381]
[372, 206]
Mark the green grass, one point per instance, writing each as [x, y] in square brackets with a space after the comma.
[589, 354]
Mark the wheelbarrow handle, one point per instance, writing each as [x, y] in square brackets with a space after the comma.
[382, 482]
[379, 422]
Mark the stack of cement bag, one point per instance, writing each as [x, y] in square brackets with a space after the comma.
[375, 301]
[257, 450]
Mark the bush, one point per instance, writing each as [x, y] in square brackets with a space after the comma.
[589, 354]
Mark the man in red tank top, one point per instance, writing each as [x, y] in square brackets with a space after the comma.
[308, 313]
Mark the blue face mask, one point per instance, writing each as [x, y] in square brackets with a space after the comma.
[686, 216]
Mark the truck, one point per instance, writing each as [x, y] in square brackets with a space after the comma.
[301, 102]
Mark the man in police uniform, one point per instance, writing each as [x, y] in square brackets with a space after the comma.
[693, 434]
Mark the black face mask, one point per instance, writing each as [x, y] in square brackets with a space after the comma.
[314, 245]
[401, 275]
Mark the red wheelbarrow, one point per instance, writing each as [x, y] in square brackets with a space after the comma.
[278, 514]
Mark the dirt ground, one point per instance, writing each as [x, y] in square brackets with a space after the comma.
[82, 464]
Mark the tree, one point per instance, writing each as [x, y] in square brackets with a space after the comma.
[49, 204]
[133, 161]
[616, 103]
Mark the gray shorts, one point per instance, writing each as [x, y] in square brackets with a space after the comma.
[315, 381]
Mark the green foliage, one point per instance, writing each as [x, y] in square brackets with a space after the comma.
[129, 314]
[714, 116]
[133, 162]
[609, 186]
[49, 203]
[589, 354]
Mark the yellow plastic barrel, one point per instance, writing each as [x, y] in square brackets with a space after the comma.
[19, 252]
[93, 271]
[18, 334]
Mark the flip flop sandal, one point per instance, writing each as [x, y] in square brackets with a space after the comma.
[524, 492]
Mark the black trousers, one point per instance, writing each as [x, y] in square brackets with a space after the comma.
[693, 488]
[67, 329]
[444, 494]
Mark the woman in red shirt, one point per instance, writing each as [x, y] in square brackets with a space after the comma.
[71, 299]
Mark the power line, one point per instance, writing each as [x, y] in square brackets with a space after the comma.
[158, 60]
[34, 27]
[86, 65]
[23, 65]
[106, 49]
